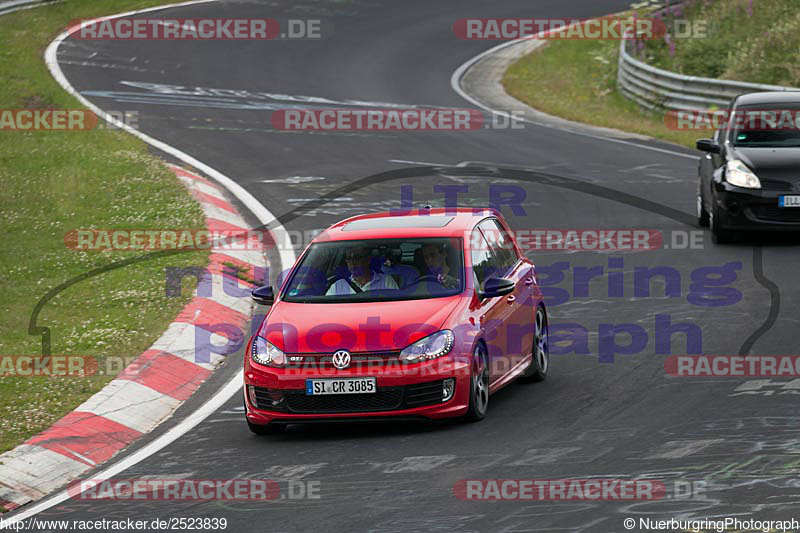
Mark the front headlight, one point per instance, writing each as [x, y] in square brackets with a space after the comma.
[737, 173]
[266, 353]
[431, 347]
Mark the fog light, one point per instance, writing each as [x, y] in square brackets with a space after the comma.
[251, 391]
[448, 388]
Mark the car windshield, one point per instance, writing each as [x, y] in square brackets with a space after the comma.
[767, 125]
[378, 270]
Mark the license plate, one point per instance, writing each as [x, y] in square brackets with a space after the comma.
[789, 201]
[316, 387]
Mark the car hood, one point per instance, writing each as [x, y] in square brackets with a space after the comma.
[771, 163]
[357, 327]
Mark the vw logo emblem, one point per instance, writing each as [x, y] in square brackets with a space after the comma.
[341, 359]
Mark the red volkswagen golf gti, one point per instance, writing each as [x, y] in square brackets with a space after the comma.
[384, 316]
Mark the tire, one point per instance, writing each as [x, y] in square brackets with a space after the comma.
[703, 218]
[268, 429]
[261, 429]
[719, 234]
[537, 370]
[478, 385]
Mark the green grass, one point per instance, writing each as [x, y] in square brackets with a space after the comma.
[755, 41]
[52, 182]
[577, 80]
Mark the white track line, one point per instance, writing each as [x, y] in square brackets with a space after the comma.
[286, 255]
[455, 83]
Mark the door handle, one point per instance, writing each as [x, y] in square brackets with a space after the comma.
[529, 281]
[511, 299]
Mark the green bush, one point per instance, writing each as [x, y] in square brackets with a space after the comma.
[747, 40]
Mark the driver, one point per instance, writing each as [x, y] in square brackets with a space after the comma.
[436, 262]
[362, 278]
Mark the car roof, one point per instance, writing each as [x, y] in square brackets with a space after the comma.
[772, 97]
[435, 222]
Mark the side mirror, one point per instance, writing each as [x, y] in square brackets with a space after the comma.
[708, 145]
[493, 287]
[263, 295]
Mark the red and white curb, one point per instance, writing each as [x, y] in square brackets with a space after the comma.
[149, 390]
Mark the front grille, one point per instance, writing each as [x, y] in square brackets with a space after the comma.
[771, 213]
[424, 394]
[775, 185]
[323, 360]
[385, 399]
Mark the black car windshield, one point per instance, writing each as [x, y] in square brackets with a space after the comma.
[378, 270]
[766, 125]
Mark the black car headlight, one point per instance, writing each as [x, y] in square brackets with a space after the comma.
[264, 352]
[737, 173]
[431, 347]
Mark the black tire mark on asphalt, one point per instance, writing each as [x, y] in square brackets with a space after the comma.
[775, 300]
[425, 171]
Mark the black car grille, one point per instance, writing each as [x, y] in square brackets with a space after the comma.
[323, 360]
[776, 185]
[771, 213]
[385, 399]
[423, 393]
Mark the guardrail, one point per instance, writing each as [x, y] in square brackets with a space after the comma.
[655, 88]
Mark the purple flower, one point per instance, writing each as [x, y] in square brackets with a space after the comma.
[750, 8]
[671, 44]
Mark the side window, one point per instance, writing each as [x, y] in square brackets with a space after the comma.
[500, 244]
[483, 263]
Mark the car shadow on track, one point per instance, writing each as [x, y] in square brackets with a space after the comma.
[755, 238]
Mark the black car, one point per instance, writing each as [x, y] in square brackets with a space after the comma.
[750, 175]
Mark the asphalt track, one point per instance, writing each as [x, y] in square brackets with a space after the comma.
[620, 419]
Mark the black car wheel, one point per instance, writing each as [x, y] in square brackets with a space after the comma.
[537, 370]
[479, 385]
[703, 218]
[720, 234]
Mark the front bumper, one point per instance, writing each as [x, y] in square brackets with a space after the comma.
[403, 391]
[747, 209]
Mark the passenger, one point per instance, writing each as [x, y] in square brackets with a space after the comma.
[362, 278]
[435, 256]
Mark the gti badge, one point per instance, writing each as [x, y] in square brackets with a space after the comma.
[341, 359]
